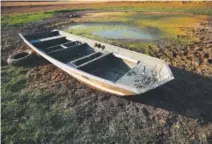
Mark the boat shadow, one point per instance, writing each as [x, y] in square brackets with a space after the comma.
[36, 60]
[188, 94]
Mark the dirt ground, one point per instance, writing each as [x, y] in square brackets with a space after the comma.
[178, 112]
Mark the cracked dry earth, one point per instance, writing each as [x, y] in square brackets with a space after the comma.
[179, 112]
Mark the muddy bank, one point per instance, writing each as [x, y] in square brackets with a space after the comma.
[196, 57]
[179, 112]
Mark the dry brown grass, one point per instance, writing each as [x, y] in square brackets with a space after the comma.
[19, 3]
[17, 7]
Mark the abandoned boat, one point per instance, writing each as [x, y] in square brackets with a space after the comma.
[102, 66]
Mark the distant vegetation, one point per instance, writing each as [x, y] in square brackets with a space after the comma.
[23, 18]
[202, 8]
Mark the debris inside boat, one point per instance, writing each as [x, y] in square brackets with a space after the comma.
[101, 66]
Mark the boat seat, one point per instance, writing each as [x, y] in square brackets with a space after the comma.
[60, 46]
[86, 58]
[41, 35]
[46, 39]
[69, 44]
[69, 49]
[92, 61]
[70, 52]
[49, 42]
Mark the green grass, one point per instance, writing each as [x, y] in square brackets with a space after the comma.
[30, 115]
[18, 19]
[24, 18]
[42, 115]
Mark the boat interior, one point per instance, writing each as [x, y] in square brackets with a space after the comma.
[82, 56]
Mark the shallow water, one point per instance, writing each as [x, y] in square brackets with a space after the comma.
[135, 29]
[124, 34]
[113, 31]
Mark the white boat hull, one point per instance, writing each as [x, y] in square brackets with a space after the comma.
[100, 83]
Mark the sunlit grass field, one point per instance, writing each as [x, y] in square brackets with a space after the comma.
[17, 19]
